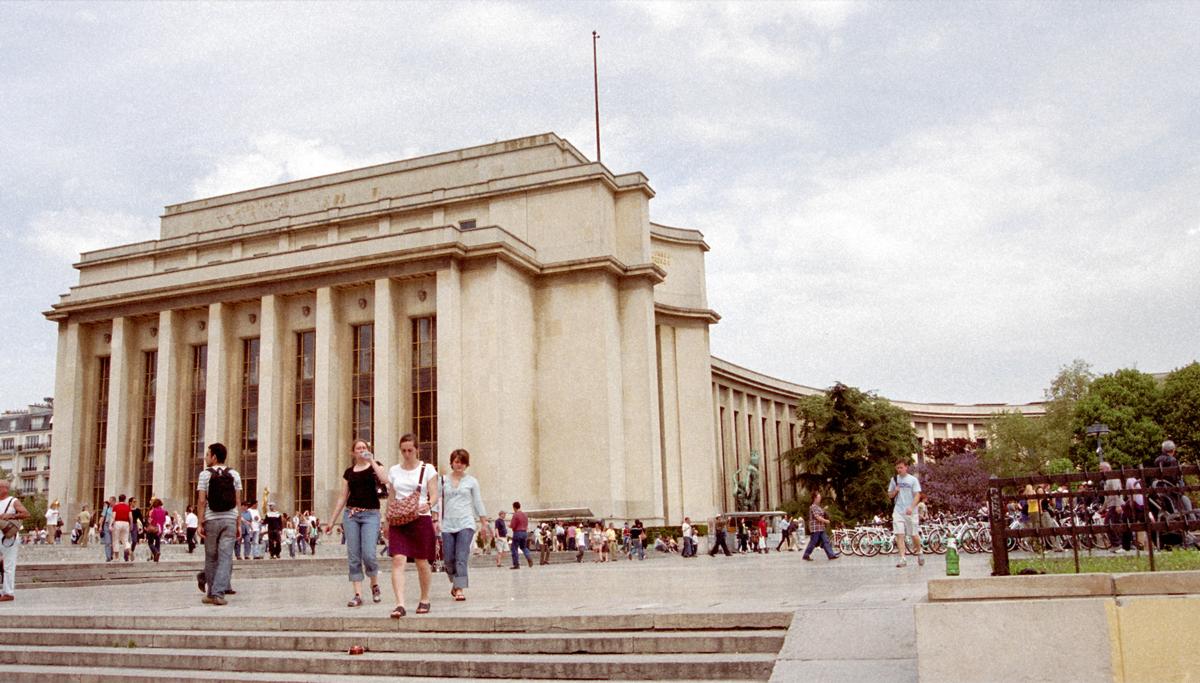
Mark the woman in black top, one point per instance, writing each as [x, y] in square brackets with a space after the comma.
[360, 523]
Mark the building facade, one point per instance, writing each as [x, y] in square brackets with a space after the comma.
[513, 299]
[25, 441]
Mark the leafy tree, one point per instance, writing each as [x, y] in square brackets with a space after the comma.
[1066, 390]
[1180, 410]
[36, 504]
[1017, 445]
[953, 477]
[849, 440]
[1128, 401]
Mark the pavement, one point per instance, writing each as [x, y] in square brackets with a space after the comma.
[853, 616]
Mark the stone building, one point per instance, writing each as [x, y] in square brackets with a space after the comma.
[513, 299]
[25, 440]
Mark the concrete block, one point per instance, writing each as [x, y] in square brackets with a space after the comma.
[1018, 640]
[1158, 583]
[885, 632]
[1006, 587]
[1160, 638]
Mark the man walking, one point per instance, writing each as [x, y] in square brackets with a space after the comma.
[685, 532]
[105, 521]
[817, 519]
[1114, 504]
[84, 521]
[219, 490]
[905, 492]
[719, 543]
[520, 537]
[11, 514]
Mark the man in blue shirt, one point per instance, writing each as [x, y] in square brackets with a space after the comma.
[905, 492]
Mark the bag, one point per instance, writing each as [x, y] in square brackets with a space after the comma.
[401, 511]
[381, 491]
[10, 527]
[222, 496]
[154, 530]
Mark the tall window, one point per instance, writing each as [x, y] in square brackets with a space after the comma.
[306, 363]
[779, 462]
[145, 484]
[196, 405]
[362, 391]
[248, 460]
[101, 434]
[424, 386]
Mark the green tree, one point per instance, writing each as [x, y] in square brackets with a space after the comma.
[1180, 410]
[36, 504]
[1066, 390]
[1128, 401]
[849, 440]
[1017, 445]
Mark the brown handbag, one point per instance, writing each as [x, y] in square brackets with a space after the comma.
[401, 511]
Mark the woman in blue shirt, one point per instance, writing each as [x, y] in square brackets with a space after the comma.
[462, 515]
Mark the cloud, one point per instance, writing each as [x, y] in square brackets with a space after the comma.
[277, 157]
[67, 233]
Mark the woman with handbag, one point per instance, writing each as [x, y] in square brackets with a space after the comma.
[461, 506]
[360, 522]
[154, 529]
[412, 528]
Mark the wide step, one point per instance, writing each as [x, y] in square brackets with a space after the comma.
[691, 666]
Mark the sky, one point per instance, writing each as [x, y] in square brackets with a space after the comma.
[940, 202]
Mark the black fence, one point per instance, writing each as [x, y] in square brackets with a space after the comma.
[1164, 509]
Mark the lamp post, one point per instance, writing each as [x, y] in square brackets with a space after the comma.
[1099, 429]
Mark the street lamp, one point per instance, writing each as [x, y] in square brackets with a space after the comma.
[1099, 429]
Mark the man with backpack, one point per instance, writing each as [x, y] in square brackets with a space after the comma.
[219, 488]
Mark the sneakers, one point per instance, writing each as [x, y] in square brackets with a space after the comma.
[213, 600]
[806, 558]
[836, 556]
[902, 563]
[920, 560]
[376, 595]
[356, 601]
[7, 597]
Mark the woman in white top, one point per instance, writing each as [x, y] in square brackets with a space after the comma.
[461, 507]
[417, 539]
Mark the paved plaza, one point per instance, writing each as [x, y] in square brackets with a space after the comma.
[853, 618]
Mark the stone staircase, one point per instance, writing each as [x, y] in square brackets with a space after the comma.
[693, 646]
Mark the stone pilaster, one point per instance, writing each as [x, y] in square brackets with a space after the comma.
[274, 448]
[331, 429]
[449, 361]
[69, 477]
[170, 454]
[120, 463]
[388, 391]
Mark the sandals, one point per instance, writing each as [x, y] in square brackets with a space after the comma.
[398, 612]
[376, 595]
[422, 608]
[457, 594]
[356, 602]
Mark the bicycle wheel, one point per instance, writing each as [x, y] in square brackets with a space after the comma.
[984, 540]
[935, 542]
[866, 544]
[846, 544]
[968, 542]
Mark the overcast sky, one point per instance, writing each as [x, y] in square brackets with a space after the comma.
[939, 202]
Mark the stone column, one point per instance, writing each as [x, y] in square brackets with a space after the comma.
[643, 467]
[388, 391]
[170, 457]
[69, 477]
[772, 455]
[120, 463]
[670, 423]
[331, 440]
[718, 463]
[449, 361]
[218, 398]
[274, 449]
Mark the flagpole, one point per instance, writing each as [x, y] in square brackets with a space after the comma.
[596, 92]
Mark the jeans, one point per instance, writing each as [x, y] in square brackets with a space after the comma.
[688, 549]
[636, 548]
[9, 554]
[220, 535]
[520, 542]
[361, 531]
[456, 554]
[154, 543]
[820, 538]
[249, 544]
[106, 539]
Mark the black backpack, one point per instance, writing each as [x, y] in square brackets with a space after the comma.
[222, 496]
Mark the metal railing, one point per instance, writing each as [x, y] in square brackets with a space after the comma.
[1160, 487]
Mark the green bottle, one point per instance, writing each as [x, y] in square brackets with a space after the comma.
[952, 558]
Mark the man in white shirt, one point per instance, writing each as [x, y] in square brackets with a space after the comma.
[905, 492]
[686, 531]
[191, 522]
